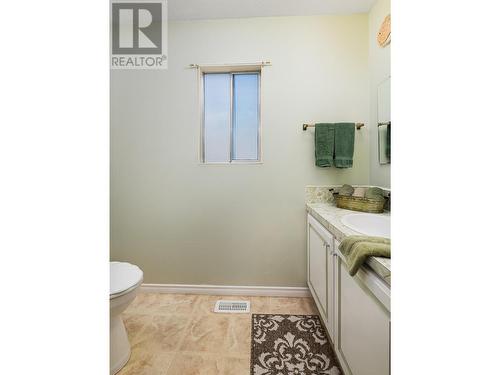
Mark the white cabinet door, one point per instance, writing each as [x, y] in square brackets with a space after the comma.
[363, 327]
[320, 253]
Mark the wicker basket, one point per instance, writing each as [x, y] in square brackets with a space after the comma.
[359, 204]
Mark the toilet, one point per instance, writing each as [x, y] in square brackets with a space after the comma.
[125, 280]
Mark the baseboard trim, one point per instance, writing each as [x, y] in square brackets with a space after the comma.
[224, 290]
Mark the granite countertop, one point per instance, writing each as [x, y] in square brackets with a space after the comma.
[330, 217]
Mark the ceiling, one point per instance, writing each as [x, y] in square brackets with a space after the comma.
[211, 9]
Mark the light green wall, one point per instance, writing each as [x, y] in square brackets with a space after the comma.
[380, 69]
[183, 222]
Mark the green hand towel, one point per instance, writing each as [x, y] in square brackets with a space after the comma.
[346, 190]
[344, 144]
[324, 142]
[356, 249]
[349, 241]
[388, 142]
[375, 193]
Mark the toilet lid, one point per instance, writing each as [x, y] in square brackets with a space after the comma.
[123, 276]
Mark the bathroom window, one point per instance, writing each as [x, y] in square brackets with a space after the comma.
[231, 117]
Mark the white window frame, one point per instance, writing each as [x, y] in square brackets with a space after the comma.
[251, 69]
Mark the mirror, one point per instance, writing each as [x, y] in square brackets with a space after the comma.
[384, 121]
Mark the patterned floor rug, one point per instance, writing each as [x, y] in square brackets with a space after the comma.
[291, 345]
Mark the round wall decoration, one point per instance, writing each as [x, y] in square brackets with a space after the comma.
[384, 34]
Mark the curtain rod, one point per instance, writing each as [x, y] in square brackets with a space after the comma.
[259, 63]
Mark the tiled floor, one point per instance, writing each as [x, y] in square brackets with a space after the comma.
[178, 334]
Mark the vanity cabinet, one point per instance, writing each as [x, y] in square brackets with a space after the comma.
[320, 270]
[355, 310]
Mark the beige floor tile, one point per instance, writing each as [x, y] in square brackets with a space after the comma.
[142, 362]
[235, 366]
[182, 334]
[206, 333]
[194, 364]
[303, 306]
[237, 340]
[174, 304]
[135, 324]
[208, 364]
[143, 303]
[163, 304]
[259, 305]
[163, 333]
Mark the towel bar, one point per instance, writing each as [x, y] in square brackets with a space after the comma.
[359, 125]
[384, 123]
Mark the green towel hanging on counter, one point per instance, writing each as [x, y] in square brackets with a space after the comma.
[324, 142]
[356, 249]
[344, 144]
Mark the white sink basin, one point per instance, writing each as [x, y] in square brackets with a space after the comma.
[369, 224]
